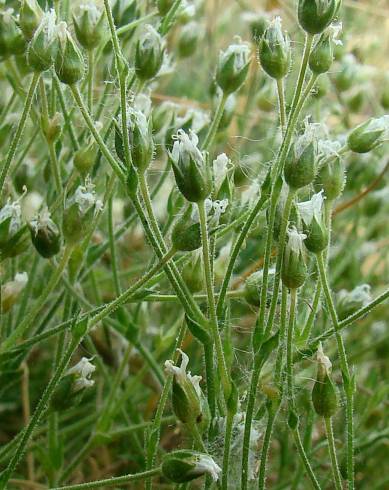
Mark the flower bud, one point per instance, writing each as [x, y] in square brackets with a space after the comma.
[253, 287]
[316, 15]
[84, 159]
[45, 235]
[324, 397]
[186, 465]
[368, 135]
[188, 39]
[331, 178]
[140, 136]
[69, 63]
[322, 55]
[30, 16]
[79, 211]
[44, 44]
[13, 240]
[89, 26]
[52, 127]
[71, 387]
[192, 273]
[232, 67]
[12, 41]
[189, 403]
[294, 270]
[301, 161]
[311, 213]
[274, 50]
[10, 291]
[348, 302]
[149, 54]
[190, 168]
[186, 234]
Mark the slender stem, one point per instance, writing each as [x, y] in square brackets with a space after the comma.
[265, 448]
[67, 118]
[27, 414]
[289, 348]
[40, 408]
[23, 327]
[305, 460]
[112, 482]
[91, 71]
[348, 382]
[223, 371]
[215, 123]
[103, 147]
[112, 247]
[281, 104]
[332, 450]
[227, 449]
[303, 69]
[22, 122]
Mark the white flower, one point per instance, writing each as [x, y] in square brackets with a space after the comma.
[239, 50]
[185, 147]
[323, 361]
[179, 372]
[311, 209]
[328, 148]
[295, 240]
[85, 197]
[83, 371]
[41, 221]
[13, 211]
[220, 169]
[213, 211]
[274, 35]
[205, 464]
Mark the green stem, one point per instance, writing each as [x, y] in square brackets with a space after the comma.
[91, 72]
[304, 458]
[223, 371]
[348, 382]
[103, 147]
[19, 130]
[215, 124]
[40, 408]
[332, 450]
[227, 449]
[265, 447]
[23, 327]
[281, 104]
[112, 482]
[289, 349]
[114, 265]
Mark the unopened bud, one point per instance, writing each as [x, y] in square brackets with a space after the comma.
[368, 135]
[331, 178]
[30, 16]
[149, 54]
[316, 15]
[274, 51]
[311, 213]
[294, 270]
[324, 397]
[186, 465]
[89, 26]
[232, 67]
[44, 44]
[69, 63]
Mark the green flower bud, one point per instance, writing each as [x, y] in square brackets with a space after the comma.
[274, 50]
[89, 26]
[186, 465]
[13, 240]
[301, 161]
[258, 23]
[324, 397]
[72, 385]
[10, 291]
[30, 16]
[266, 98]
[84, 158]
[322, 55]
[368, 135]
[190, 168]
[189, 402]
[331, 178]
[232, 67]
[12, 41]
[311, 213]
[69, 63]
[316, 15]
[45, 235]
[186, 234]
[149, 54]
[193, 275]
[79, 211]
[164, 6]
[52, 128]
[345, 77]
[294, 270]
[385, 93]
[188, 39]
[44, 44]
[140, 136]
[348, 302]
[253, 286]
